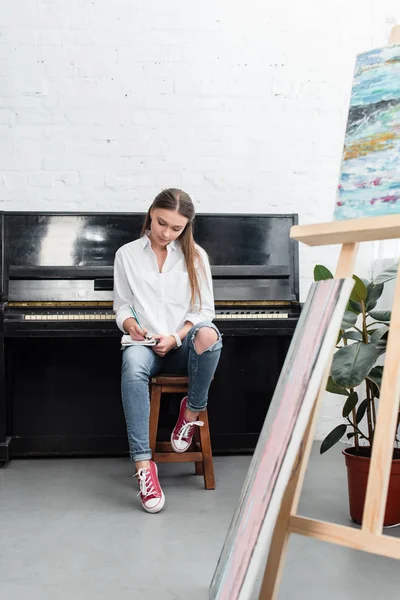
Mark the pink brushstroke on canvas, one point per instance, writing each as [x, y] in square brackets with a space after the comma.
[268, 469]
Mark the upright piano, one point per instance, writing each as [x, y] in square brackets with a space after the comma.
[60, 351]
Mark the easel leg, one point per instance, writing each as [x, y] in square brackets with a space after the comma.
[346, 262]
[277, 553]
[386, 424]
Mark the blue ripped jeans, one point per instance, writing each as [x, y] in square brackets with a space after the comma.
[139, 363]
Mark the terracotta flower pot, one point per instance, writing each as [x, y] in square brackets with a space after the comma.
[357, 476]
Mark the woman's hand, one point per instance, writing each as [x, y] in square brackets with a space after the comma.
[165, 344]
[134, 330]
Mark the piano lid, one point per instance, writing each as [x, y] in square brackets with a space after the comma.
[252, 256]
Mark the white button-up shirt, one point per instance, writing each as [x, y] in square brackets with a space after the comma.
[161, 300]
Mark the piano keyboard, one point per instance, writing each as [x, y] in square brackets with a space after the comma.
[250, 315]
[70, 317]
[220, 316]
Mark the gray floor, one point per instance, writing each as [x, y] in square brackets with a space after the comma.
[74, 529]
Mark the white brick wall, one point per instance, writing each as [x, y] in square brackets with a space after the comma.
[243, 104]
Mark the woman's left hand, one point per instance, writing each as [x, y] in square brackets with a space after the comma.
[165, 344]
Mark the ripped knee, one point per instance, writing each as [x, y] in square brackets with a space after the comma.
[204, 339]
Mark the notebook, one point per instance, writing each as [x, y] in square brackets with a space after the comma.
[126, 340]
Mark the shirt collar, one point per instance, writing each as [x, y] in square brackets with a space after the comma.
[145, 241]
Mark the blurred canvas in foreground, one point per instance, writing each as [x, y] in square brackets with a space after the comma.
[369, 182]
[240, 569]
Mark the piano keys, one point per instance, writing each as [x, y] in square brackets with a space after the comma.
[52, 321]
[108, 315]
[60, 387]
[105, 316]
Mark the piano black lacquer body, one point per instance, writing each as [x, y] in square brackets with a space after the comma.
[60, 348]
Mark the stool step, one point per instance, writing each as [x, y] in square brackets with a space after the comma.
[173, 389]
[164, 457]
[169, 380]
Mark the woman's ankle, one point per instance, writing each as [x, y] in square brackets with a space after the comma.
[142, 464]
[190, 415]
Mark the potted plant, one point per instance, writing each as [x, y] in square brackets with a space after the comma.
[357, 376]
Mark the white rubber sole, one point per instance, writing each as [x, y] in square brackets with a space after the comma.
[157, 508]
[175, 449]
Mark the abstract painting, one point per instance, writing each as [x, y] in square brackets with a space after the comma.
[241, 565]
[369, 182]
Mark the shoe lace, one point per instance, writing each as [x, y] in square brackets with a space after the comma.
[146, 483]
[187, 429]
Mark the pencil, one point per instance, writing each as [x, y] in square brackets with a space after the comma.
[137, 319]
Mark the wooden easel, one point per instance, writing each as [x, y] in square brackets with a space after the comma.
[370, 538]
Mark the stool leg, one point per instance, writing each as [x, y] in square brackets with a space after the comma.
[205, 441]
[155, 398]
[199, 466]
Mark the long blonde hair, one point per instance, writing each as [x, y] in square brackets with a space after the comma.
[174, 199]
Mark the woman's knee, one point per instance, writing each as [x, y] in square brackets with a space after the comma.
[205, 337]
[135, 366]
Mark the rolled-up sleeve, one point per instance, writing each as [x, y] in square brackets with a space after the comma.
[123, 296]
[205, 312]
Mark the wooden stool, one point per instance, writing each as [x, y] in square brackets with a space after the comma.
[200, 450]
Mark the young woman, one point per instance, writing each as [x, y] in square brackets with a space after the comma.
[166, 278]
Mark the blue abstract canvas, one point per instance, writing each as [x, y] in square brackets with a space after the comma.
[369, 182]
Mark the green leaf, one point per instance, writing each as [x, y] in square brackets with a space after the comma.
[333, 438]
[381, 347]
[335, 389]
[355, 307]
[321, 273]
[379, 339]
[353, 434]
[387, 274]
[353, 335]
[378, 334]
[375, 390]
[374, 292]
[381, 315]
[351, 364]
[375, 375]
[361, 411]
[359, 292]
[350, 403]
[349, 319]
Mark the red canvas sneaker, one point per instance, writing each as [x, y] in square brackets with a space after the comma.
[150, 493]
[182, 435]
